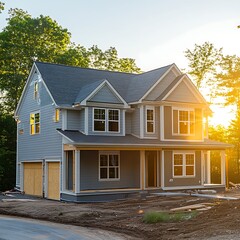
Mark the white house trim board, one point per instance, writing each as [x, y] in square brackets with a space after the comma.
[157, 82]
[77, 171]
[86, 112]
[84, 102]
[162, 169]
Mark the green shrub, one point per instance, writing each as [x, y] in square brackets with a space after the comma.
[154, 217]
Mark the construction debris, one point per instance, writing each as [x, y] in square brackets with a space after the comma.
[198, 207]
[234, 185]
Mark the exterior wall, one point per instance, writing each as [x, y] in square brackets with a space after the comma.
[105, 95]
[73, 120]
[182, 94]
[46, 144]
[136, 121]
[82, 120]
[89, 171]
[158, 90]
[90, 124]
[168, 126]
[128, 123]
[170, 181]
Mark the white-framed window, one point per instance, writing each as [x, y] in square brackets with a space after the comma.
[109, 166]
[183, 164]
[34, 123]
[183, 121]
[106, 120]
[150, 120]
[36, 88]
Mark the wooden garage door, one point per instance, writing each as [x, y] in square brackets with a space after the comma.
[53, 180]
[33, 174]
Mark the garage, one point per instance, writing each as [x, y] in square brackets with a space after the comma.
[53, 183]
[33, 174]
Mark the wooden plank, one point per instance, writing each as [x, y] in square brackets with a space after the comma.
[189, 207]
[33, 174]
[53, 180]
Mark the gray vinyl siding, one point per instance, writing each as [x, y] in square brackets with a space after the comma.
[90, 123]
[128, 123]
[73, 120]
[136, 121]
[105, 95]
[82, 120]
[170, 181]
[162, 85]
[89, 171]
[48, 143]
[182, 94]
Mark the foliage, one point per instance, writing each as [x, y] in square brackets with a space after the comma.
[202, 61]
[1, 6]
[7, 151]
[155, 217]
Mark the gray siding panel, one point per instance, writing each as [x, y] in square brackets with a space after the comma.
[128, 123]
[136, 122]
[169, 181]
[73, 120]
[48, 143]
[82, 120]
[129, 164]
[105, 95]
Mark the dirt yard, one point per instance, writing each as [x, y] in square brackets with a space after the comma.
[222, 221]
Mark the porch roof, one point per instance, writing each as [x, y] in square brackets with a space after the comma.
[79, 139]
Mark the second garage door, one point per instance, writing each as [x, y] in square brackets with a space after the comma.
[33, 175]
[53, 180]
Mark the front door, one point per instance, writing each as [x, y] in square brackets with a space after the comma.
[151, 168]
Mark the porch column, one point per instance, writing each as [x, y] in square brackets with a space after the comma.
[63, 171]
[142, 169]
[223, 167]
[77, 171]
[208, 168]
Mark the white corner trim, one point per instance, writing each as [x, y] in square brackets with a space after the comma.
[86, 114]
[142, 123]
[162, 123]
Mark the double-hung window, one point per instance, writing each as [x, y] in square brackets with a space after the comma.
[35, 94]
[105, 120]
[34, 123]
[150, 120]
[109, 166]
[183, 122]
[183, 165]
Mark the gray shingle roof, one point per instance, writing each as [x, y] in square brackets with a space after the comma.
[78, 138]
[68, 84]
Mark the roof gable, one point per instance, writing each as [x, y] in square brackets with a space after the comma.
[182, 90]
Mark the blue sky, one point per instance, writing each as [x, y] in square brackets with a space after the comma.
[153, 32]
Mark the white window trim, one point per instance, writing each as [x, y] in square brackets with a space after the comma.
[106, 120]
[184, 153]
[35, 123]
[108, 153]
[146, 120]
[184, 134]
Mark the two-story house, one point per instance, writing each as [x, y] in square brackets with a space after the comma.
[93, 135]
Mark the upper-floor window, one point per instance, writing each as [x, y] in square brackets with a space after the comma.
[106, 120]
[183, 122]
[34, 123]
[183, 164]
[150, 120]
[36, 88]
[109, 165]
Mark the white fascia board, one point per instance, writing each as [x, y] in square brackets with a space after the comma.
[156, 83]
[24, 90]
[105, 82]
